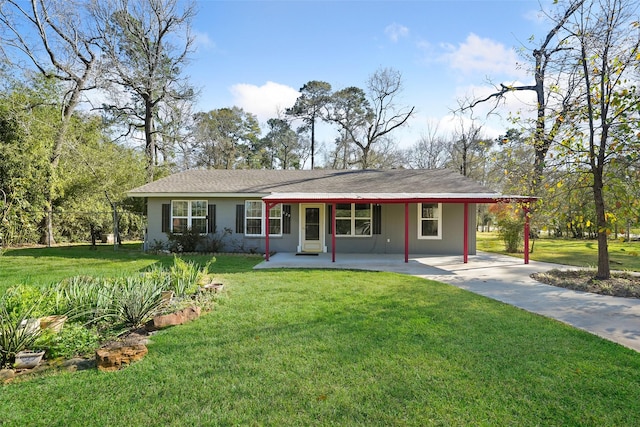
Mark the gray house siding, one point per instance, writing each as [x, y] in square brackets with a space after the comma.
[225, 220]
[391, 239]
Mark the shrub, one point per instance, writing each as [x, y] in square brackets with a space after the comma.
[510, 231]
[187, 241]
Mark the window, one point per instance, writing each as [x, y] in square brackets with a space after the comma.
[353, 219]
[189, 214]
[255, 218]
[429, 220]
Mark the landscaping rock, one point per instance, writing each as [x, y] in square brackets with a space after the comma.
[78, 364]
[178, 318]
[7, 375]
[118, 355]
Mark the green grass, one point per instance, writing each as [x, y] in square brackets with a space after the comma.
[578, 252]
[45, 266]
[309, 347]
[349, 348]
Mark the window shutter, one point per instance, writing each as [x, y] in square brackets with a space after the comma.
[377, 219]
[329, 219]
[286, 219]
[211, 218]
[240, 219]
[166, 217]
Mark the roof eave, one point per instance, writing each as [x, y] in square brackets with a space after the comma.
[192, 195]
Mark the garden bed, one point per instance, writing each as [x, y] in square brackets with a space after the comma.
[624, 285]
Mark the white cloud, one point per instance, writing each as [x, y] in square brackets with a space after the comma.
[202, 41]
[264, 101]
[482, 55]
[396, 31]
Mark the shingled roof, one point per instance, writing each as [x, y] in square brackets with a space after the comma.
[218, 182]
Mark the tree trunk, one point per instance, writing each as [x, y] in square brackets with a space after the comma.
[604, 270]
[313, 140]
[149, 135]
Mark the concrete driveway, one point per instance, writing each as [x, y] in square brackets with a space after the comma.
[501, 278]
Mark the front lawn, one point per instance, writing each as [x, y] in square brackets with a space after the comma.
[577, 252]
[304, 347]
[45, 266]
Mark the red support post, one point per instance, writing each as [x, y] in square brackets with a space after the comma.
[406, 232]
[466, 234]
[333, 232]
[526, 234]
[266, 233]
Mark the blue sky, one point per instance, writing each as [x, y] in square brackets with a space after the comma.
[257, 54]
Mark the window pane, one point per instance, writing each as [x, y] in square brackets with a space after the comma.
[429, 210]
[199, 208]
[254, 209]
[199, 225]
[343, 227]
[363, 227]
[343, 210]
[363, 210]
[275, 212]
[179, 225]
[180, 208]
[429, 228]
[274, 226]
[312, 224]
[254, 226]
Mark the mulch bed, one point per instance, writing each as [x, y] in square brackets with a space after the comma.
[620, 284]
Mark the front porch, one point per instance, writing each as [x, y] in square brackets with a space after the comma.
[418, 265]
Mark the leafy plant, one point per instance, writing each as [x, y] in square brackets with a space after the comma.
[21, 298]
[17, 331]
[73, 340]
[187, 241]
[186, 275]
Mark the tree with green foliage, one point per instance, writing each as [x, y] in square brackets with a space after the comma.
[28, 124]
[279, 148]
[224, 138]
[310, 107]
[59, 49]
[95, 175]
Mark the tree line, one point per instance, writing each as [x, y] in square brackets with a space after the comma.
[90, 110]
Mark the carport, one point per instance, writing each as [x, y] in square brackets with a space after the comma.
[332, 199]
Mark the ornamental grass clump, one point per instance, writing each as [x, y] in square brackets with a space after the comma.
[115, 303]
[136, 300]
[17, 329]
[85, 298]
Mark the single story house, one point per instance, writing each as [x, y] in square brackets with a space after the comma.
[428, 211]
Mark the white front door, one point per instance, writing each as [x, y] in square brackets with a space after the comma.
[312, 228]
